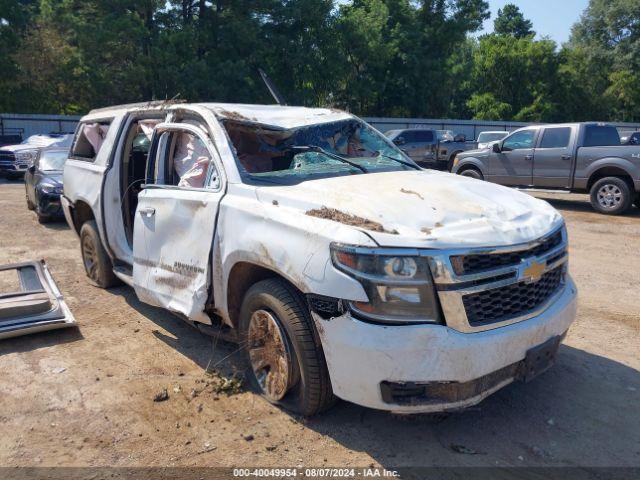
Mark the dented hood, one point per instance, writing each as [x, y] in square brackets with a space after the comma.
[425, 209]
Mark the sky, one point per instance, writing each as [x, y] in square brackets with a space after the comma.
[553, 18]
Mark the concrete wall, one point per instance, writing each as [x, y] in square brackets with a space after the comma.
[30, 124]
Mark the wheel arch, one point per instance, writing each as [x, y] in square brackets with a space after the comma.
[610, 170]
[242, 276]
[470, 162]
[81, 213]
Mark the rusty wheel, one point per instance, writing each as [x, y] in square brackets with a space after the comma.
[284, 357]
[96, 262]
[269, 355]
[90, 258]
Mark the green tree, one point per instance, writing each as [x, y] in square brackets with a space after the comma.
[605, 50]
[511, 21]
[521, 73]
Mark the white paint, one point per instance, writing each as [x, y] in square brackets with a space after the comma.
[427, 208]
[361, 355]
[269, 227]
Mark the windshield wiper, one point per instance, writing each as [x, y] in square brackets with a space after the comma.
[316, 148]
[408, 164]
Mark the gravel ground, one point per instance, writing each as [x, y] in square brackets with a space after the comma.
[84, 397]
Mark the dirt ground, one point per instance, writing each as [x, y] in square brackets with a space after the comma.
[84, 397]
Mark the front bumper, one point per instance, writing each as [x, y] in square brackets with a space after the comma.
[362, 358]
[49, 204]
[67, 207]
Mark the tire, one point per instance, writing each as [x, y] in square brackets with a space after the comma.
[611, 196]
[636, 201]
[472, 173]
[97, 264]
[451, 159]
[43, 218]
[300, 382]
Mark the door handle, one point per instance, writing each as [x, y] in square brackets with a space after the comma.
[566, 157]
[528, 157]
[148, 211]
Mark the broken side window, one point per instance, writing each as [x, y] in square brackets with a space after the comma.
[89, 139]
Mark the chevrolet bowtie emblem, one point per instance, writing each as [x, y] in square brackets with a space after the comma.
[534, 271]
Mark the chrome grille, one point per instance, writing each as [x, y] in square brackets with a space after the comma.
[469, 264]
[7, 158]
[501, 304]
[483, 288]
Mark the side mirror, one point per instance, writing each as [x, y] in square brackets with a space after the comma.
[399, 141]
[496, 148]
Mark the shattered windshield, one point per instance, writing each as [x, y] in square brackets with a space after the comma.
[347, 147]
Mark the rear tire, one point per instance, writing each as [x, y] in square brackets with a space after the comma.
[283, 349]
[611, 196]
[97, 264]
[472, 173]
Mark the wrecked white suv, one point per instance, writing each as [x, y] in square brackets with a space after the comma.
[342, 268]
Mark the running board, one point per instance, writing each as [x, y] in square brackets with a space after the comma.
[224, 332]
[124, 274]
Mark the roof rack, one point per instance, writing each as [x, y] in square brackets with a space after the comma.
[148, 104]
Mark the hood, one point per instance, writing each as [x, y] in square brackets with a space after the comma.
[422, 209]
[52, 177]
[479, 152]
[20, 147]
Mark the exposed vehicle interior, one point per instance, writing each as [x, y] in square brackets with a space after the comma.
[133, 168]
[90, 140]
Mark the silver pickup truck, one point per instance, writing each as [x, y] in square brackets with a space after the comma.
[573, 157]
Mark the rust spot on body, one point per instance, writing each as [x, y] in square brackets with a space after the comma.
[232, 115]
[348, 219]
[411, 192]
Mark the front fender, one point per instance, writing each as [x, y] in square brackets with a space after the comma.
[470, 161]
[285, 240]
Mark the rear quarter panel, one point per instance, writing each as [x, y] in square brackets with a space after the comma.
[591, 159]
[83, 179]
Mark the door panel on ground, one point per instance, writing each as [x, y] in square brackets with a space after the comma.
[175, 219]
[514, 164]
[30, 300]
[552, 162]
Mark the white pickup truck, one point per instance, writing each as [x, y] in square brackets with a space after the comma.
[342, 268]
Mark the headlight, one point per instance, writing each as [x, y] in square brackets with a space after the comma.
[398, 284]
[26, 156]
[50, 188]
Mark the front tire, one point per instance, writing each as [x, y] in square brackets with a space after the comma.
[472, 173]
[97, 264]
[611, 196]
[283, 349]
